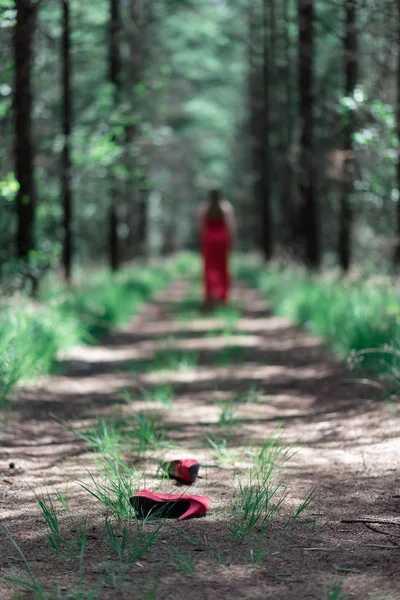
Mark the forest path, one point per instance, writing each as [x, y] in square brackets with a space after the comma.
[234, 377]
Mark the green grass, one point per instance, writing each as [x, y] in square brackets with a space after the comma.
[250, 397]
[230, 355]
[351, 315]
[174, 360]
[336, 593]
[304, 504]
[183, 562]
[160, 394]
[33, 333]
[229, 408]
[113, 490]
[50, 513]
[261, 493]
[126, 545]
[23, 579]
[115, 437]
[221, 453]
[227, 417]
[255, 505]
[272, 455]
[63, 497]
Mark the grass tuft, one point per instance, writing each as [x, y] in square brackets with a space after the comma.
[183, 562]
[255, 505]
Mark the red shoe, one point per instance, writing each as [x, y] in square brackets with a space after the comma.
[168, 506]
[183, 470]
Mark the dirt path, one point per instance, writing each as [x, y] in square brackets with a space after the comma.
[234, 381]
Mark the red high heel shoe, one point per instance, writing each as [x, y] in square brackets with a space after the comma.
[185, 470]
[168, 506]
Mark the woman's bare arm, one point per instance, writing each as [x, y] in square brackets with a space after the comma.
[200, 218]
[230, 219]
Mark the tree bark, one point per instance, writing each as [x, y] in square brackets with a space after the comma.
[351, 70]
[255, 107]
[308, 212]
[397, 248]
[115, 79]
[66, 166]
[24, 150]
[266, 224]
[288, 126]
[136, 202]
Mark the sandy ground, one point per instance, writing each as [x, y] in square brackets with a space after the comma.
[345, 442]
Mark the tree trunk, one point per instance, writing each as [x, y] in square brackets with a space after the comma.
[24, 151]
[288, 126]
[255, 110]
[115, 79]
[346, 213]
[266, 240]
[66, 166]
[133, 195]
[308, 212]
[397, 248]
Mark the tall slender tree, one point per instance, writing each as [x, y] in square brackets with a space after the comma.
[135, 197]
[24, 149]
[66, 166]
[115, 79]
[255, 104]
[308, 210]
[397, 248]
[351, 71]
[287, 126]
[265, 212]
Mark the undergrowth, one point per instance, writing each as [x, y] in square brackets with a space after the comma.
[359, 318]
[32, 333]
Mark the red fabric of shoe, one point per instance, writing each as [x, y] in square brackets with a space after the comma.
[168, 506]
[185, 470]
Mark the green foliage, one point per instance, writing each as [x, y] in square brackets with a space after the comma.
[8, 185]
[32, 333]
[352, 315]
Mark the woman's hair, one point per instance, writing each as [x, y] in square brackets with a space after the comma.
[214, 210]
[215, 196]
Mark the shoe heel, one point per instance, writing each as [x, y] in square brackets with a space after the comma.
[192, 510]
[193, 471]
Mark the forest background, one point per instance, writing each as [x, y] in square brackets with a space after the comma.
[117, 117]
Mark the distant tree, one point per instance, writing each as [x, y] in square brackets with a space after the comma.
[308, 220]
[115, 79]
[26, 16]
[135, 196]
[287, 128]
[255, 105]
[351, 72]
[397, 248]
[265, 170]
[66, 166]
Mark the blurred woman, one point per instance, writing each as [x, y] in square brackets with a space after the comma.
[216, 227]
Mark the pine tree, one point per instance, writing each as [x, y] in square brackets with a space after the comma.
[66, 166]
[351, 68]
[24, 147]
[308, 210]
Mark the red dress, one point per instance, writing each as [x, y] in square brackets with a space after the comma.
[215, 246]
